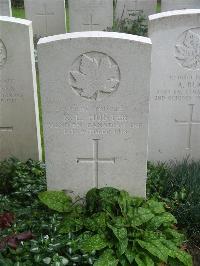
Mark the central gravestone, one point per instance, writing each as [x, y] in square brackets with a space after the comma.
[48, 16]
[168, 5]
[95, 108]
[5, 8]
[90, 15]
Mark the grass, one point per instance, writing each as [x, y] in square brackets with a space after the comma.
[18, 12]
[158, 8]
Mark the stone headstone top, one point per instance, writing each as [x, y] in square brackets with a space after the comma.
[95, 110]
[129, 8]
[90, 15]
[19, 119]
[48, 16]
[175, 96]
[5, 8]
[168, 5]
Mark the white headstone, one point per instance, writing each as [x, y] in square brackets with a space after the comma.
[48, 16]
[175, 91]
[5, 8]
[126, 8]
[19, 122]
[90, 15]
[95, 107]
[168, 5]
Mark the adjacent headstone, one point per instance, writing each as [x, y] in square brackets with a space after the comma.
[90, 15]
[19, 123]
[5, 8]
[128, 8]
[48, 16]
[95, 107]
[175, 90]
[168, 5]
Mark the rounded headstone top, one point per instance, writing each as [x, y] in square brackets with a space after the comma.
[95, 34]
[171, 20]
[174, 13]
[16, 20]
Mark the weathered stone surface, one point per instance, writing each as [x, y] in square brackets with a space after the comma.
[5, 8]
[90, 15]
[168, 5]
[48, 16]
[95, 107]
[126, 8]
[19, 123]
[175, 90]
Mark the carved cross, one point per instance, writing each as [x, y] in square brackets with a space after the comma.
[45, 14]
[91, 24]
[96, 160]
[189, 124]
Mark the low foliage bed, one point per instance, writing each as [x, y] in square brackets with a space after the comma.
[108, 228]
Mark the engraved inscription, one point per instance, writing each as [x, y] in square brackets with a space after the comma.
[130, 9]
[96, 160]
[6, 129]
[3, 53]
[187, 49]
[94, 76]
[103, 120]
[9, 93]
[181, 88]
[189, 124]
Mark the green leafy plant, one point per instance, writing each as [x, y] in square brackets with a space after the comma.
[120, 229]
[178, 184]
[22, 180]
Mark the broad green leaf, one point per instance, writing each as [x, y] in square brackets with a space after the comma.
[93, 243]
[71, 224]
[172, 248]
[139, 261]
[144, 260]
[124, 201]
[165, 219]
[107, 259]
[130, 255]
[148, 261]
[120, 233]
[156, 248]
[56, 200]
[96, 222]
[47, 260]
[122, 246]
[92, 199]
[141, 216]
[155, 206]
[120, 221]
[175, 236]
[123, 261]
[184, 257]
[137, 202]
[108, 199]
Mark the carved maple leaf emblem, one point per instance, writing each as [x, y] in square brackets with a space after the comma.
[3, 54]
[188, 53]
[95, 77]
